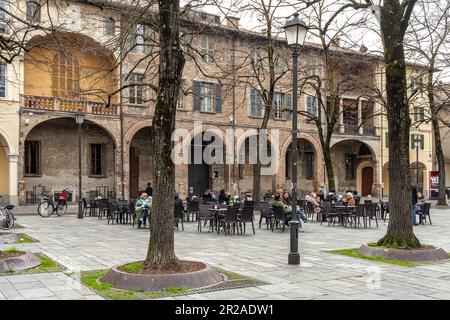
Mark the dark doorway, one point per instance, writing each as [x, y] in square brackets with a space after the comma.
[134, 173]
[198, 173]
[367, 181]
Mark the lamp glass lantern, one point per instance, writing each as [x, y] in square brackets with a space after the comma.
[417, 141]
[295, 30]
[79, 117]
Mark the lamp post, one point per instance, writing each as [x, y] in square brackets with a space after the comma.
[295, 30]
[417, 142]
[79, 118]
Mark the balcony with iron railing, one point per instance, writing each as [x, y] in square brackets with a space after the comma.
[68, 105]
[354, 129]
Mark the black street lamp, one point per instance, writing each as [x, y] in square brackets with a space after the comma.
[295, 30]
[79, 118]
[417, 143]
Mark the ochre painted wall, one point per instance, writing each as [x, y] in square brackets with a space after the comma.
[4, 176]
[95, 75]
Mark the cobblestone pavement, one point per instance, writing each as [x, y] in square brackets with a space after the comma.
[91, 244]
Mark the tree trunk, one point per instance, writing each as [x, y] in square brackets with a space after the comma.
[329, 167]
[400, 232]
[442, 201]
[161, 254]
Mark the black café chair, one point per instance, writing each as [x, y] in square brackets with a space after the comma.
[230, 218]
[266, 213]
[246, 216]
[424, 213]
[178, 216]
[204, 214]
[278, 217]
[124, 210]
[87, 206]
[113, 212]
[192, 209]
[103, 208]
[370, 212]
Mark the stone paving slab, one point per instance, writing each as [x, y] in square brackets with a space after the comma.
[90, 244]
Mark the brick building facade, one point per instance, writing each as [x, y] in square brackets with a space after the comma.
[41, 138]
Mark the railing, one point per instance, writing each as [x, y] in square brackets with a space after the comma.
[67, 105]
[353, 129]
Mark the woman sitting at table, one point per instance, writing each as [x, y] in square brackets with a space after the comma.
[349, 200]
[143, 206]
[224, 197]
[287, 200]
[315, 204]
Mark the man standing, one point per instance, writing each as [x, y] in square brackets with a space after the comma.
[149, 189]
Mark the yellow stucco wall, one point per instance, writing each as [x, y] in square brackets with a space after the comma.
[96, 78]
[4, 175]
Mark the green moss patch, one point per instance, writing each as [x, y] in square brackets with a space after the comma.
[23, 238]
[355, 254]
[92, 279]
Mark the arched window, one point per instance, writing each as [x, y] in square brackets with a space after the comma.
[65, 75]
[110, 27]
[33, 12]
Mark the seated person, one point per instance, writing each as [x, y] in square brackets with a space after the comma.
[349, 200]
[356, 197]
[287, 200]
[208, 196]
[276, 202]
[143, 206]
[224, 197]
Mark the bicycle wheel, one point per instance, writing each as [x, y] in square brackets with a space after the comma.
[61, 208]
[6, 221]
[45, 209]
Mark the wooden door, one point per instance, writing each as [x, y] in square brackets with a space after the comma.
[367, 181]
[134, 173]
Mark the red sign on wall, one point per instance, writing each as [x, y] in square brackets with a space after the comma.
[434, 184]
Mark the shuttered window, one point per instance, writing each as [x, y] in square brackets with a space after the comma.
[97, 159]
[65, 75]
[256, 103]
[33, 12]
[2, 80]
[311, 106]
[135, 89]
[32, 157]
[207, 97]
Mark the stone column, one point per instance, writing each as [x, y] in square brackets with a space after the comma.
[361, 130]
[13, 160]
[341, 116]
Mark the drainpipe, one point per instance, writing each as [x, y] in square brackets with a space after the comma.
[122, 170]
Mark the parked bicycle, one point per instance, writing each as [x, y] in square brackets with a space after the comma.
[6, 217]
[48, 206]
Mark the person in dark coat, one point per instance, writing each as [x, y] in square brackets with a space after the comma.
[415, 208]
[149, 190]
[224, 197]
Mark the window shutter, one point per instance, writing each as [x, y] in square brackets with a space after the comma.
[422, 142]
[412, 141]
[253, 102]
[103, 159]
[386, 138]
[218, 102]
[288, 105]
[197, 94]
[259, 104]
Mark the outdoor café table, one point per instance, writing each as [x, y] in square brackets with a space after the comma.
[217, 212]
[343, 212]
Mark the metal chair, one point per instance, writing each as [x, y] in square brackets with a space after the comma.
[425, 212]
[370, 211]
[266, 213]
[204, 214]
[278, 216]
[230, 218]
[178, 216]
[246, 216]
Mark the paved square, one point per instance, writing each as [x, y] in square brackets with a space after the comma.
[91, 244]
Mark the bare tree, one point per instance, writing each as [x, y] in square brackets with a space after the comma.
[394, 17]
[427, 43]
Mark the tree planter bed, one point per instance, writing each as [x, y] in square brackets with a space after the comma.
[8, 237]
[19, 261]
[153, 282]
[424, 254]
